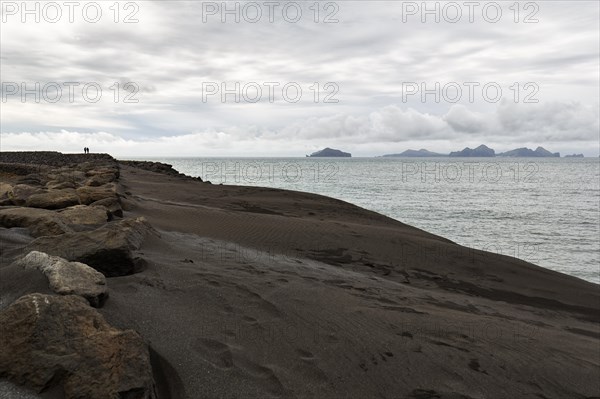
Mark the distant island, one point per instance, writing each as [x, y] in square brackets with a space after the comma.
[330, 152]
[527, 152]
[483, 151]
[414, 153]
[70, 323]
[574, 156]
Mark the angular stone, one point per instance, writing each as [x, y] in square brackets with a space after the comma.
[108, 249]
[87, 194]
[101, 179]
[106, 169]
[67, 175]
[113, 205]
[59, 185]
[5, 189]
[39, 222]
[95, 170]
[32, 179]
[21, 192]
[68, 278]
[48, 341]
[5, 193]
[54, 199]
[84, 215]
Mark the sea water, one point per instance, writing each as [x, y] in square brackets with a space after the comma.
[542, 210]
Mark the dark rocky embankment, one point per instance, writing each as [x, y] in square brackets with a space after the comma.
[62, 222]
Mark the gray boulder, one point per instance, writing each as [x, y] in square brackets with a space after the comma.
[68, 278]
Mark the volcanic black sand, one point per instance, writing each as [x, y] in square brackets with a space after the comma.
[257, 292]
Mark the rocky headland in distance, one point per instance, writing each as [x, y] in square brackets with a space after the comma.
[482, 151]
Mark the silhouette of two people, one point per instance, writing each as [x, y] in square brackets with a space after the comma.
[86, 150]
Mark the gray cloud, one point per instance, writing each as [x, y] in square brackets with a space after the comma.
[369, 54]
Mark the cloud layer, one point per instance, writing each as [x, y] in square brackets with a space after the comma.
[177, 51]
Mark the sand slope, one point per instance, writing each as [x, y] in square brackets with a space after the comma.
[257, 293]
[254, 292]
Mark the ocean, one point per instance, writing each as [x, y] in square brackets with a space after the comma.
[542, 210]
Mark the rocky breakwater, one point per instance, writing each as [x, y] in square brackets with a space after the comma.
[69, 208]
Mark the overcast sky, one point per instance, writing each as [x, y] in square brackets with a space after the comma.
[368, 68]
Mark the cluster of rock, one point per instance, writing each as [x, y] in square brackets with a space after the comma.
[72, 207]
[44, 159]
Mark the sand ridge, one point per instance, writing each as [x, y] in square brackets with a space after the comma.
[272, 293]
[251, 292]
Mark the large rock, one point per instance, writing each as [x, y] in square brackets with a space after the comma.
[67, 175]
[68, 278]
[87, 194]
[112, 205]
[94, 169]
[39, 222]
[32, 179]
[53, 199]
[5, 193]
[102, 176]
[84, 215]
[48, 340]
[108, 249]
[21, 192]
[60, 185]
[101, 179]
[19, 167]
[5, 189]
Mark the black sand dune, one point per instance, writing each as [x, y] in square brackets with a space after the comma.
[255, 292]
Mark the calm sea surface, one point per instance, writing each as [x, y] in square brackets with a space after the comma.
[545, 211]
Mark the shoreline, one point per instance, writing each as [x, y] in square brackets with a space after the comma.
[520, 224]
[244, 291]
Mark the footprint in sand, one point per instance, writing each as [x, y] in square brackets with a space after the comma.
[305, 355]
[262, 372]
[250, 320]
[309, 369]
[222, 357]
[215, 352]
[474, 365]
